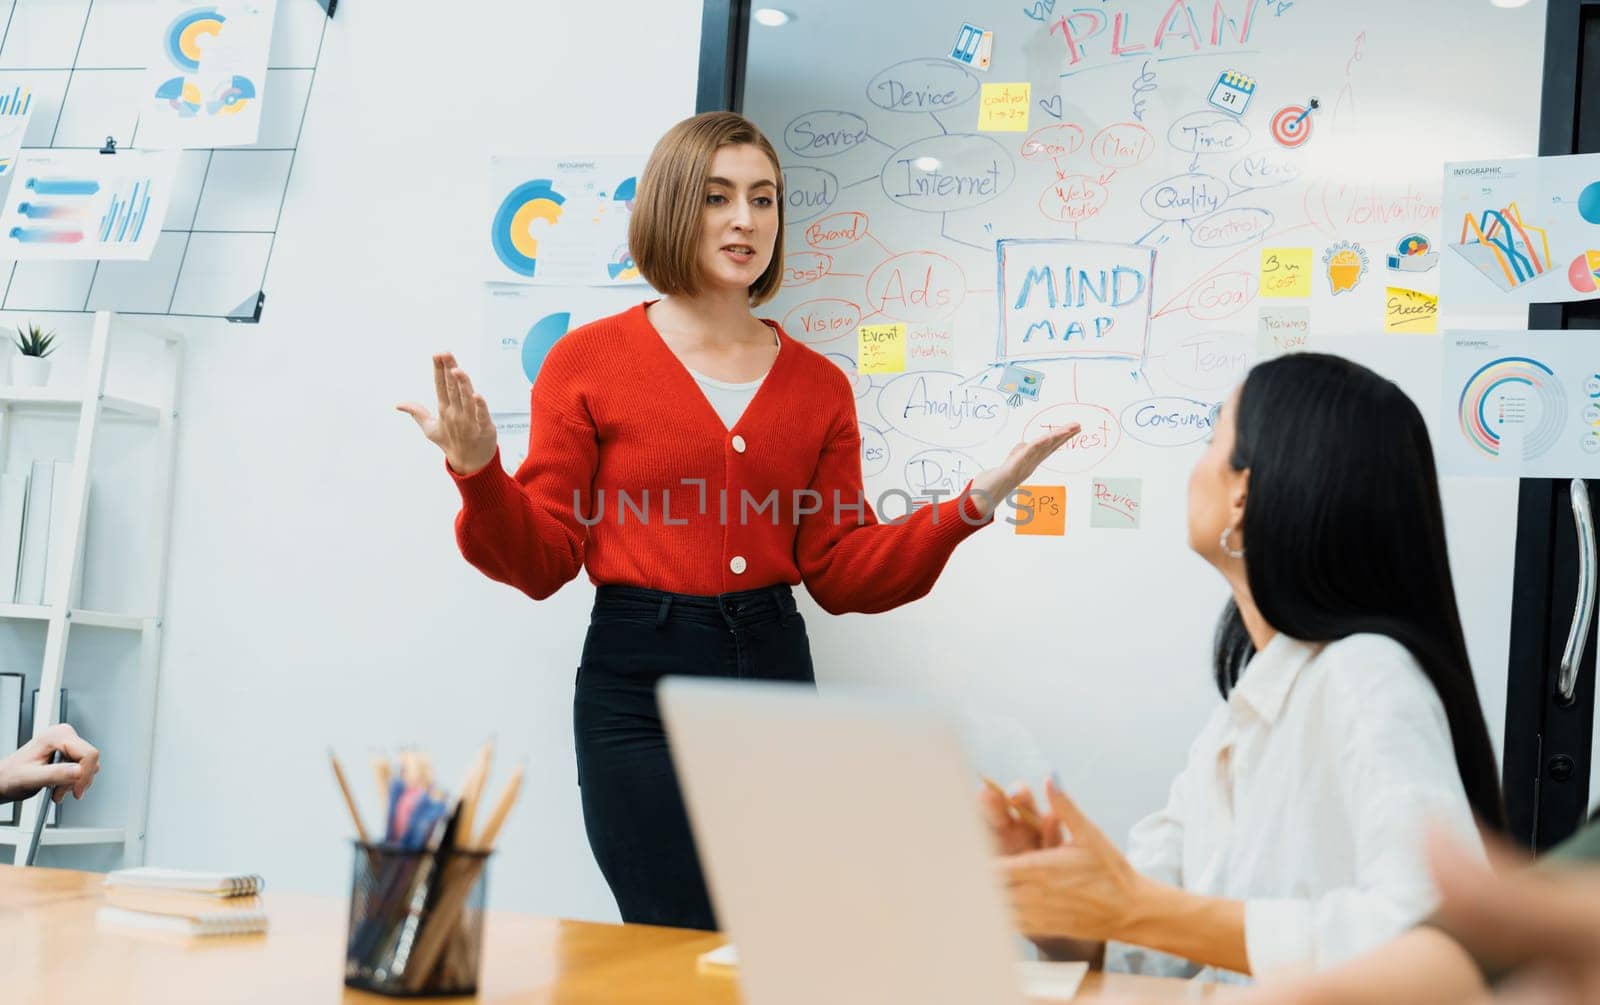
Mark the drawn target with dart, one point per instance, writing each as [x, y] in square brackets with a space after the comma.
[1291, 125]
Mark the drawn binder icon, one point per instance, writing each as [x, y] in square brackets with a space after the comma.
[1504, 248]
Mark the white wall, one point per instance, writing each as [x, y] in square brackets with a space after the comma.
[317, 596]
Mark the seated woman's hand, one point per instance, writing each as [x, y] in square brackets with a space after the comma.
[1009, 819]
[1077, 887]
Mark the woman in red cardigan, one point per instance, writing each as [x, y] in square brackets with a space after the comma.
[699, 463]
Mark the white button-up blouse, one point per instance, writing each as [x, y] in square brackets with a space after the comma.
[1305, 796]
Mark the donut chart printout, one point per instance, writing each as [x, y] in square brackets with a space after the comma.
[1520, 404]
[561, 220]
[207, 73]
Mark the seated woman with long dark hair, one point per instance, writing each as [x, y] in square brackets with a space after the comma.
[1292, 837]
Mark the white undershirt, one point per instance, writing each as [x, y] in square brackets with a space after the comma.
[729, 400]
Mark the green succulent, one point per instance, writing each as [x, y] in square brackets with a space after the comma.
[35, 341]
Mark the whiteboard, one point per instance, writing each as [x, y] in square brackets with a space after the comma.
[1113, 242]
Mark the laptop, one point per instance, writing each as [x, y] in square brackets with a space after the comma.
[842, 846]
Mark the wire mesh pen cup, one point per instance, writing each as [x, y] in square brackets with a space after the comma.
[416, 921]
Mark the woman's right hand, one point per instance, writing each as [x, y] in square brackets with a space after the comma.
[462, 429]
[1009, 829]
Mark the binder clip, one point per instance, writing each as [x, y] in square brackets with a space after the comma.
[111, 145]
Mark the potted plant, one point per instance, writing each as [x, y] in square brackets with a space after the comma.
[32, 369]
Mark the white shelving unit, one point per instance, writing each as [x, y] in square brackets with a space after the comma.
[93, 405]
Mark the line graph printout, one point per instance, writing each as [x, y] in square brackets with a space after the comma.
[1522, 230]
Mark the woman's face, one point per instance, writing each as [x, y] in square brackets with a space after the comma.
[739, 218]
[1217, 492]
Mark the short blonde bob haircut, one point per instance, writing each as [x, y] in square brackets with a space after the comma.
[664, 232]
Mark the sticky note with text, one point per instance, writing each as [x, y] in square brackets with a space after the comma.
[881, 348]
[1410, 311]
[1285, 272]
[1116, 503]
[1046, 510]
[1004, 108]
[1282, 328]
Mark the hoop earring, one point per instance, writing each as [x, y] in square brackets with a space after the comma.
[1227, 550]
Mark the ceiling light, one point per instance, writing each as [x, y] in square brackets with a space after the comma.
[772, 17]
[926, 163]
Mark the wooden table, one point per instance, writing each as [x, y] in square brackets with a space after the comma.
[51, 951]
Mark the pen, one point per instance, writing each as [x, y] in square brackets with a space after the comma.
[1023, 813]
[392, 817]
[49, 793]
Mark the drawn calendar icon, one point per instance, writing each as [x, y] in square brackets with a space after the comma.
[1232, 91]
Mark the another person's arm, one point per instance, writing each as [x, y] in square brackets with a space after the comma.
[1548, 920]
[29, 769]
[526, 531]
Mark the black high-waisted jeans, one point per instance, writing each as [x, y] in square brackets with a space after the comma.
[632, 809]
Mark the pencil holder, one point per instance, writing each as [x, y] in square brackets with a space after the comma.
[416, 921]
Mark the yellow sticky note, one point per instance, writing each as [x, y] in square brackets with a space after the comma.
[1049, 510]
[1004, 108]
[881, 349]
[1286, 272]
[1406, 311]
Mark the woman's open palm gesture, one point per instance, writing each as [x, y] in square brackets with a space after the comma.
[462, 429]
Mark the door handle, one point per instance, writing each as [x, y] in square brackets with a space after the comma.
[1583, 608]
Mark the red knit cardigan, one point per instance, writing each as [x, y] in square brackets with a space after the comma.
[631, 474]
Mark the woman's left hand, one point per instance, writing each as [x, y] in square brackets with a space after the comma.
[992, 486]
[1083, 889]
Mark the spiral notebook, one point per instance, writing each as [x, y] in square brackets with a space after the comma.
[199, 918]
[209, 884]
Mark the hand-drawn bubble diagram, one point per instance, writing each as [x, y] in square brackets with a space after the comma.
[1110, 248]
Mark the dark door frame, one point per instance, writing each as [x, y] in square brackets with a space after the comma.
[1548, 741]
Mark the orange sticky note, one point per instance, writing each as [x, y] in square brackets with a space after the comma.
[1285, 272]
[1004, 107]
[1048, 504]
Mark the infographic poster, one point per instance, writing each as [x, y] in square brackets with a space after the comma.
[1521, 231]
[1521, 405]
[561, 221]
[16, 109]
[81, 204]
[522, 323]
[207, 73]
